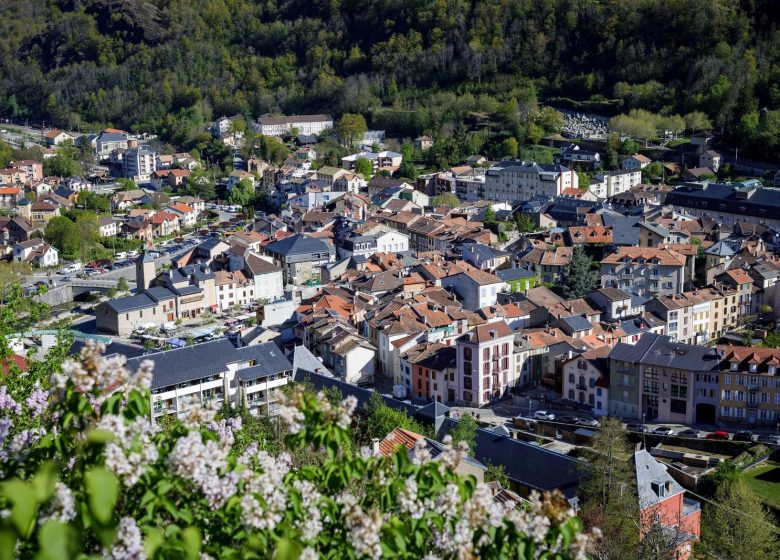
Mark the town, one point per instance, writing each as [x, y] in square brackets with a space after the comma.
[604, 277]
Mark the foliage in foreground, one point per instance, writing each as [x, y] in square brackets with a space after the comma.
[85, 472]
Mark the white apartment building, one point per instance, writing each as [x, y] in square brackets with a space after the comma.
[303, 124]
[139, 164]
[519, 181]
[193, 376]
[615, 182]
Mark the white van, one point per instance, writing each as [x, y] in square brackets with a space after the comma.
[71, 268]
[121, 256]
[132, 254]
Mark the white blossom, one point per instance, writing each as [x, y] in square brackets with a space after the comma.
[63, 506]
[129, 544]
[131, 450]
[205, 465]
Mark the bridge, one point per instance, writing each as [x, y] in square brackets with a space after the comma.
[77, 289]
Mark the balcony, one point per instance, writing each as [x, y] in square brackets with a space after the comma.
[690, 506]
[582, 386]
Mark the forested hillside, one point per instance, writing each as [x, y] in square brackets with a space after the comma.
[409, 65]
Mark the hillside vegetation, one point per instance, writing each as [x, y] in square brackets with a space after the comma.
[410, 65]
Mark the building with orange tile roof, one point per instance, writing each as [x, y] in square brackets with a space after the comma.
[644, 270]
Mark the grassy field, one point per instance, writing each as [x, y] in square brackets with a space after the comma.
[764, 480]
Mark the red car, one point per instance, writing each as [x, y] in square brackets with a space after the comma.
[718, 435]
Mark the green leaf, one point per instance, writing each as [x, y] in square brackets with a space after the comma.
[99, 436]
[43, 482]
[7, 544]
[21, 494]
[190, 538]
[57, 541]
[153, 541]
[103, 492]
[287, 550]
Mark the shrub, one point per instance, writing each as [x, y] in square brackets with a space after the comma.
[86, 472]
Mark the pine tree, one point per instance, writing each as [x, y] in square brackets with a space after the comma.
[579, 277]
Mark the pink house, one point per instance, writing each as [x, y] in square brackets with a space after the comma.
[485, 363]
[663, 505]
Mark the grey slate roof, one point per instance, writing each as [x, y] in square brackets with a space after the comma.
[651, 479]
[298, 245]
[270, 361]
[131, 303]
[721, 249]
[189, 363]
[657, 350]
[745, 199]
[576, 323]
[159, 293]
[508, 274]
[305, 361]
[527, 464]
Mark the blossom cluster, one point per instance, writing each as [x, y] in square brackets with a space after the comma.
[131, 450]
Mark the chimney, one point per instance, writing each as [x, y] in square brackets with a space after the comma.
[375, 446]
[668, 486]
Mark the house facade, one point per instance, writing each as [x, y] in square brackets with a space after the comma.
[749, 386]
[519, 181]
[485, 365]
[644, 270]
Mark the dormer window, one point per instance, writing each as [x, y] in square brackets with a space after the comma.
[641, 261]
[627, 260]
[734, 366]
[753, 367]
[772, 370]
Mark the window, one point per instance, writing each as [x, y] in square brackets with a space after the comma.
[678, 406]
[467, 383]
[486, 354]
[467, 353]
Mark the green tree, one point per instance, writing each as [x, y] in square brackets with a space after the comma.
[697, 121]
[351, 128]
[466, 431]
[579, 277]
[653, 171]
[408, 170]
[63, 234]
[737, 526]
[497, 473]
[509, 147]
[490, 216]
[199, 184]
[121, 284]
[450, 200]
[364, 167]
[93, 201]
[609, 494]
[524, 223]
[381, 420]
[62, 165]
[243, 193]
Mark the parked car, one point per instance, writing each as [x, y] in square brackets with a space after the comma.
[743, 435]
[544, 415]
[637, 427]
[689, 433]
[67, 278]
[663, 431]
[565, 419]
[718, 435]
[587, 421]
[770, 439]
[132, 254]
[121, 256]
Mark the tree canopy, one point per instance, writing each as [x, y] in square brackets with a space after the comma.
[409, 67]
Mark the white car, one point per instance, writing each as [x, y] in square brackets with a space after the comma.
[121, 256]
[132, 254]
[544, 415]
